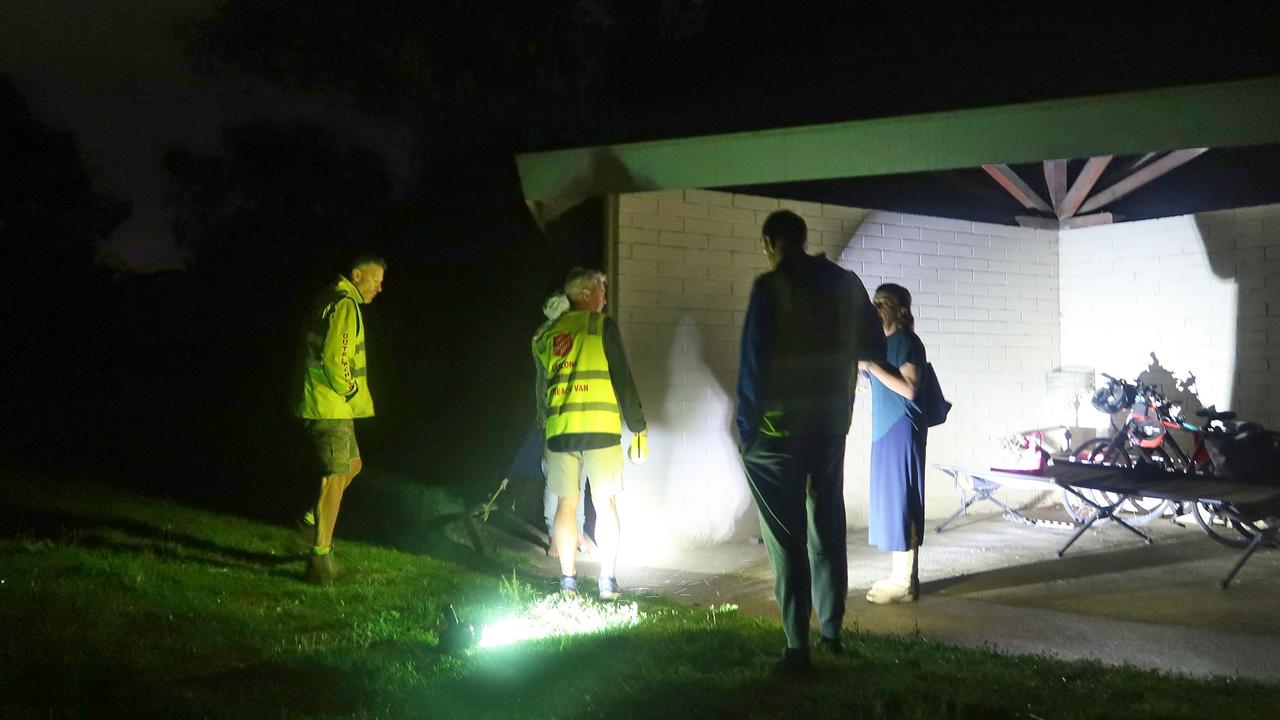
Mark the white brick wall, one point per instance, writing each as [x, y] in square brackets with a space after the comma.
[997, 308]
[1201, 292]
[986, 303]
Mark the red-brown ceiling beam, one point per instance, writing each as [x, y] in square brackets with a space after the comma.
[1083, 185]
[1023, 193]
[1055, 178]
[1142, 177]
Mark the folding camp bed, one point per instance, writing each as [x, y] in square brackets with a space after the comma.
[977, 485]
[1245, 504]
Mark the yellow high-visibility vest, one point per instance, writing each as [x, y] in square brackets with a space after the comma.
[334, 383]
[580, 397]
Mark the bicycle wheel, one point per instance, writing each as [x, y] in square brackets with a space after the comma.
[1097, 450]
[1221, 529]
[1078, 510]
[1138, 510]
[1133, 510]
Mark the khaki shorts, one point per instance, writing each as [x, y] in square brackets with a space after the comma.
[335, 444]
[603, 467]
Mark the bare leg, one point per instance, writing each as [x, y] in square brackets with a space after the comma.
[356, 466]
[331, 488]
[608, 530]
[566, 533]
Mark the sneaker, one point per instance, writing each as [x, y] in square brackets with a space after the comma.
[569, 585]
[322, 569]
[609, 589]
[794, 663]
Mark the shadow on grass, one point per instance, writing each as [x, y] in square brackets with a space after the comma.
[282, 689]
[402, 515]
[622, 674]
[705, 673]
[380, 508]
[259, 690]
[159, 541]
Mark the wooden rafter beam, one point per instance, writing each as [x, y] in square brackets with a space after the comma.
[1055, 178]
[1229, 114]
[1084, 183]
[1142, 177]
[1022, 192]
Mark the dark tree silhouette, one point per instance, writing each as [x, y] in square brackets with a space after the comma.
[50, 216]
[453, 72]
[58, 328]
[283, 199]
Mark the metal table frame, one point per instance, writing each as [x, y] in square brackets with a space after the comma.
[1246, 504]
[976, 485]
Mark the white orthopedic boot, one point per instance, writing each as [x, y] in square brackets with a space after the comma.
[903, 583]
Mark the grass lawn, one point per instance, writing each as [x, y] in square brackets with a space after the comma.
[115, 604]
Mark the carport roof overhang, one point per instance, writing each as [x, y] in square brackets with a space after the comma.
[1218, 115]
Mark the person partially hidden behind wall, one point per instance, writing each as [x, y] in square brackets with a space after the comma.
[335, 391]
[585, 391]
[808, 323]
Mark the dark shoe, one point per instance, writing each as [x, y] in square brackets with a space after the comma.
[795, 663]
[834, 645]
[322, 569]
[569, 585]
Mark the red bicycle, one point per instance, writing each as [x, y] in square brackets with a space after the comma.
[1145, 438]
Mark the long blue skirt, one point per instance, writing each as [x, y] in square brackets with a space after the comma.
[897, 487]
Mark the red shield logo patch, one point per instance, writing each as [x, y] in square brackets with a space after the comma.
[562, 343]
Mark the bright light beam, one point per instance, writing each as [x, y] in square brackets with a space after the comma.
[558, 616]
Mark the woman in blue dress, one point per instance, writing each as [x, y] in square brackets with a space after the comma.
[898, 435]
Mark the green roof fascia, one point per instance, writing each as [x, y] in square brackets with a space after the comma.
[1226, 114]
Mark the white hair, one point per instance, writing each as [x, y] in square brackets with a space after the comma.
[580, 279]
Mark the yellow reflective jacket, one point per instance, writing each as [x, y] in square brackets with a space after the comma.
[580, 396]
[334, 382]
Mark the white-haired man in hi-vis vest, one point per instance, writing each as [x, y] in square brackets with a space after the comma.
[585, 391]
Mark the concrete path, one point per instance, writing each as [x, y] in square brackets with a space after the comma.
[989, 582]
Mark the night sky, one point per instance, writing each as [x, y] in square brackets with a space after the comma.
[115, 74]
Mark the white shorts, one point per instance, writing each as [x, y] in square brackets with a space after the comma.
[603, 468]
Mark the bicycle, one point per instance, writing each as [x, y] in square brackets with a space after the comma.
[1139, 440]
[1144, 439]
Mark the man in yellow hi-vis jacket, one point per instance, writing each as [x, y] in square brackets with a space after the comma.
[335, 391]
[584, 391]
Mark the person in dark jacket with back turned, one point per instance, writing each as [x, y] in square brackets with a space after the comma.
[808, 323]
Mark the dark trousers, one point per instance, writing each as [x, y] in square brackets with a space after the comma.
[798, 485]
